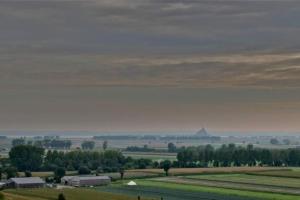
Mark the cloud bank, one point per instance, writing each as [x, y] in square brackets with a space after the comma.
[149, 64]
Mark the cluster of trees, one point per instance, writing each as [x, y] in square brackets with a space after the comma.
[232, 155]
[33, 158]
[93, 160]
[46, 143]
[26, 157]
[145, 148]
[171, 148]
[275, 141]
[88, 145]
[8, 171]
[18, 141]
[54, 144]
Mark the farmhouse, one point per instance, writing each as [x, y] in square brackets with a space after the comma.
[81, 181]
[29, 182]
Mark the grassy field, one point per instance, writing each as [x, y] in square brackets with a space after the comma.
[177, 191]
[187, 171]
[251, 179]
[292, 173]
[131, 175]
[168, 193]
[152, 155]
[228, 183]
[70, 194]
[226, 193]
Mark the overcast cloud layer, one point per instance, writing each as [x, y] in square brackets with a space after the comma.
[130, 65]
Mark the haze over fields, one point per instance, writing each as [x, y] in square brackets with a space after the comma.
[150, 65]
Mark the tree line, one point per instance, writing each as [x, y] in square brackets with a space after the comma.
[232, 155]
[29, 158]
[34, 158]
[46, 143]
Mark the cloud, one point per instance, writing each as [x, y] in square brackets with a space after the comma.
[148, 26]
[194, 71]
[150, 43]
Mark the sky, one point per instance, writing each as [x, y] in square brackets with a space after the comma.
[150, 65]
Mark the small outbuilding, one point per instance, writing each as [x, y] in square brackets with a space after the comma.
[28, 182]
[85, 181]
[66, 180]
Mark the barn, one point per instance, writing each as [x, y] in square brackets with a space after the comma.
[84, 181]
[28, 182]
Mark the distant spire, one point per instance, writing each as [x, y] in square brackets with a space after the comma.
[202, 133]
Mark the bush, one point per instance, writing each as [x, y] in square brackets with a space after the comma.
[84, 170]
[99, 170]
[28, 174]
[49, 179]
[2, 196]
[11, 172]
[61, 196]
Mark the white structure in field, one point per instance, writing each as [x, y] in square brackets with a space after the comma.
[131, 183]
[84, 181]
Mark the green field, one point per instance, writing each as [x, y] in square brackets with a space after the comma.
[217, 170]
[292, 173]
[157, 191]
[177, 191]
[131, 175]
[226, 193]
[251, 179]
[70, 194]
[152, 155]
[230, 183]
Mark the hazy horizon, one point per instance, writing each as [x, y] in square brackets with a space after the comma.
[69, 133]
[150, 65]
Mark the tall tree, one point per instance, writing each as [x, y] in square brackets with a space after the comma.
[88, 145]
[274, 141]
[105, 145]
[166, 165]
[171, 147]
[26, 157]
[121, 171]
[59, 173]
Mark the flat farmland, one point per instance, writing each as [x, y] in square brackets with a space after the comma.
[154, 192]
[227, 193]
[291, 173]
[187, 171]
[177, 191]
[152, 155]
[230, 185]
[131, 175]
[70, 194]
[250, 179]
